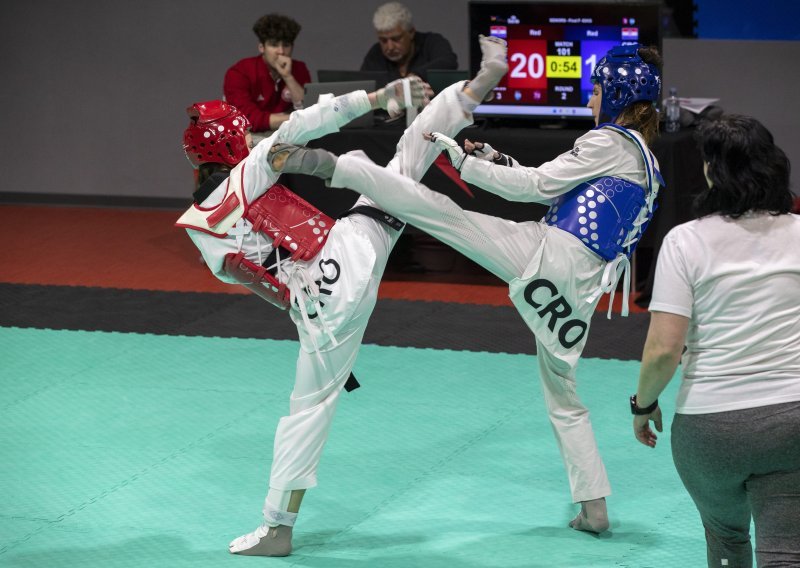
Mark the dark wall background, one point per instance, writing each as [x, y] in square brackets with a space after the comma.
[738, 19]
[92, 94]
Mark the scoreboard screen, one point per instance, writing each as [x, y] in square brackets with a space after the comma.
[553, 48]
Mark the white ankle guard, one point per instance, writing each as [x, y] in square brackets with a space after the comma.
[467, 102]
[274, 517]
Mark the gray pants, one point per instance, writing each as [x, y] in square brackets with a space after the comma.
[742, 463]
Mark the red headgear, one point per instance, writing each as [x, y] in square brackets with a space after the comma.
[216, 134]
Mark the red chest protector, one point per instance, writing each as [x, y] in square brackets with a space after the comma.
[285, 218]
[292, 224]
[290, 221]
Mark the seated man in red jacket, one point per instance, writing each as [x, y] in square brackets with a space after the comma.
[268, 87]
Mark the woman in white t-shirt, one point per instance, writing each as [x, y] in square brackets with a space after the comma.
[727, 288]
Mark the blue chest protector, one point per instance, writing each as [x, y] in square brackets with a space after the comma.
[608, 214]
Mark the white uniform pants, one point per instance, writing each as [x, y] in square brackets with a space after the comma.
[319, 379]
[505, 248]
[301, 435]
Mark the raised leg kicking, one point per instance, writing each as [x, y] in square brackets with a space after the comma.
[559, 268]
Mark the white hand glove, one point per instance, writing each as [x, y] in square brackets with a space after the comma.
[480, 150]
[454, 152]
[401, 94]
[484, 151]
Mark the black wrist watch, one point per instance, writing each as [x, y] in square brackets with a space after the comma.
[636, 410]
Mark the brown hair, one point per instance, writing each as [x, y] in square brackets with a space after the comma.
[642, 116]
[205, 171]
[276, 27]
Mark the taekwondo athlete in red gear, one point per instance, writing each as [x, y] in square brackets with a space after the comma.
[601, 196]
[353, 257]
[325, 272]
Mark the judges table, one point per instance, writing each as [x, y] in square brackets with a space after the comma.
[677, 154]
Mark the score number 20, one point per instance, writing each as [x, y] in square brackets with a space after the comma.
[530, 66]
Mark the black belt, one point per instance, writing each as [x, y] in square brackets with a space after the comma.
[272, 259]
[351, 383]
[366, 210]
[378, 215]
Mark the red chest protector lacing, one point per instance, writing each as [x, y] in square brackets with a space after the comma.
[292, 224]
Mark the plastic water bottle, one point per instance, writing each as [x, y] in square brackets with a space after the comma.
[672, 110]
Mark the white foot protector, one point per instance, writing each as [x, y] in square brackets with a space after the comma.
[264, 541]
[494, 65]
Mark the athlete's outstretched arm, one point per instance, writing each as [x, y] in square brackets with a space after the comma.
[323, 118]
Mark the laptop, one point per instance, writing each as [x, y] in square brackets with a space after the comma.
[337, 75]
[439, 79]
[314, 90]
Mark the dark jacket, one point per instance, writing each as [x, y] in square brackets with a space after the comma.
[431, 51]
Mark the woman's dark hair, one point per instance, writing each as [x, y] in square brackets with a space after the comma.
[642, 115]
[205, 171]
[275, 27]
[748, 172]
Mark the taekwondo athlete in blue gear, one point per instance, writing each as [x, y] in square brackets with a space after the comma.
[555, 277]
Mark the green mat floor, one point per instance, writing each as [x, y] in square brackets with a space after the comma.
[148, 451]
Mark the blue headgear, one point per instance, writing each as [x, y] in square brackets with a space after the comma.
[625, 79]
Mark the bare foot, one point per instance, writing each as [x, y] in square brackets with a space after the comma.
[264, 541]
[593, 517]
